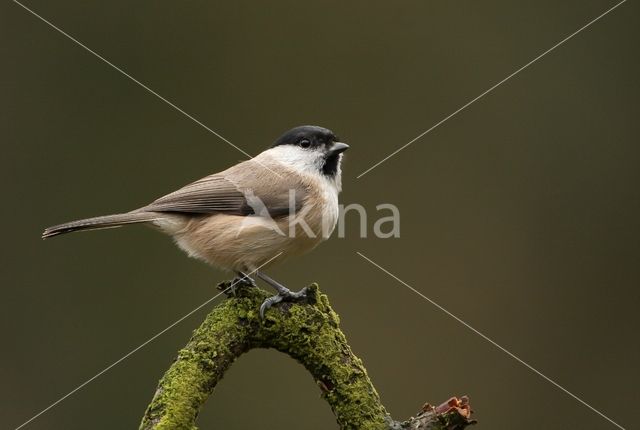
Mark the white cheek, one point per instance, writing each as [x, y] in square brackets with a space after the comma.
[300, 159]
[305, 161]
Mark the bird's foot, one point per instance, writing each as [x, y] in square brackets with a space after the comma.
[231, 288]
[285, 295]
[244, 280]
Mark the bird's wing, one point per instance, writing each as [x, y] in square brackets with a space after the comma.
[245, 189]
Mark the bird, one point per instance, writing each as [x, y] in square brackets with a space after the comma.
[283, 202]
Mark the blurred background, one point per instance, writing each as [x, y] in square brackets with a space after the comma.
[520, 215]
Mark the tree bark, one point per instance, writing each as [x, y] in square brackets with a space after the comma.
[307, 331]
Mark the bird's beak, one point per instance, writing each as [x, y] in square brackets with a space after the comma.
[338, 148]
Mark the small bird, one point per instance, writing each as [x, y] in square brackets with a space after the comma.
[283, 202]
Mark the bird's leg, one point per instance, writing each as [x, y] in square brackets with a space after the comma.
[283, 293]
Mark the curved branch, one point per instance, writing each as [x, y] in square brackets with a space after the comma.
[308, 332]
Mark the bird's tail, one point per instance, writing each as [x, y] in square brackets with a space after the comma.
[107, 221]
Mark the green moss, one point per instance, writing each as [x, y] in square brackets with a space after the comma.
[309, 332]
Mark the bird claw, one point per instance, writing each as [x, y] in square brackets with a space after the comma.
[244, 281]
[287, 295]
[231, 288]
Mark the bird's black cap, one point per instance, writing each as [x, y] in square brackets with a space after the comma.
[314, 134]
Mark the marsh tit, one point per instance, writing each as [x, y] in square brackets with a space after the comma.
[283, 202]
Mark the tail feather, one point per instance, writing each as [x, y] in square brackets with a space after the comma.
[107, 221]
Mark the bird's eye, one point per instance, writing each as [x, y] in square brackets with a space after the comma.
[305, 143]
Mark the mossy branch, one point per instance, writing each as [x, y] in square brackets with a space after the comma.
[308, 332]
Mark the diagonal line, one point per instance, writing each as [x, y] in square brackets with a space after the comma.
[191, 117]
[142, 345]
[470, 102]
[491, 341]
[77, 42]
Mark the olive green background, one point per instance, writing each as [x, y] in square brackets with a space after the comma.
[520, 215]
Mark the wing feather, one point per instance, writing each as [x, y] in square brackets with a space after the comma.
[234, 192]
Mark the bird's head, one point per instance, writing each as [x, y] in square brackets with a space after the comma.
[312, 149]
